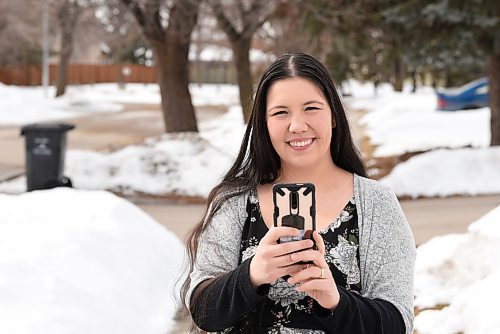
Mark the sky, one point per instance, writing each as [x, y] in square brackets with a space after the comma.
[456, 270]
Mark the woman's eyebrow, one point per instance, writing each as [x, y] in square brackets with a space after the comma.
[277, 107]
[312, 102]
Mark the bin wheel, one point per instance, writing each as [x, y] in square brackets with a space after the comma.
[65, 182]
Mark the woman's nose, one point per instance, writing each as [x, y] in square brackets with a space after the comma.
[297, 124]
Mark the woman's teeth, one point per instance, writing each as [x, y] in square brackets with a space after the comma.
[301, 143]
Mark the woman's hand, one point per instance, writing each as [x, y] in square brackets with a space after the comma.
[272, 260]
[316, 280]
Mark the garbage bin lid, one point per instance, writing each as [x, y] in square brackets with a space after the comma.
[46, 127]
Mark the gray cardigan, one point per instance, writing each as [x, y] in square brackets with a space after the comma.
[386, 246]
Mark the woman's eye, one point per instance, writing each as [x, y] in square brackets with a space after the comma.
[312, 108]
[281, 112]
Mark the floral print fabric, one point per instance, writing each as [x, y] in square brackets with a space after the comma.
[285, 310]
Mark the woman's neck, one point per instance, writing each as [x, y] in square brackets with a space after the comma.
[321, 175]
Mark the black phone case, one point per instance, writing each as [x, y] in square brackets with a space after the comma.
[295, 206]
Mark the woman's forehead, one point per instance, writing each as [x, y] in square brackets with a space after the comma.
[294, 89]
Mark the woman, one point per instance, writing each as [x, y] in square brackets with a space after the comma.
[361, 277]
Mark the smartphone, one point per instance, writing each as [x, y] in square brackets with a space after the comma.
[295, 206]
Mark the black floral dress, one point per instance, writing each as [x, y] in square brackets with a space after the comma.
[286, 310]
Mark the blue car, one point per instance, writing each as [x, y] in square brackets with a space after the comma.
[470, 96]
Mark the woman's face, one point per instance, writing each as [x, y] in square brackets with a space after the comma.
[299, 121]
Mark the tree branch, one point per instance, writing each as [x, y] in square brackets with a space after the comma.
[136, 10]
[259, 13]
[223, 21]
[149, 20]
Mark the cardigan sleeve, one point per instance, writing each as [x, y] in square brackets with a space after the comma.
[387, 252]
[219, 244]
[358, 314]
[223, 301]
[216, 267]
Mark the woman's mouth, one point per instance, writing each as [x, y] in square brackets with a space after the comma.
[300, 144]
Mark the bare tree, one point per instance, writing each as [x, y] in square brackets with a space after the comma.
[68, 14]
[3, 16]
[20, 33]
[170, 44]
[123, 36]
[240, 20]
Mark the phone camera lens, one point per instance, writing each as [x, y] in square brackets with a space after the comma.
[294, 200]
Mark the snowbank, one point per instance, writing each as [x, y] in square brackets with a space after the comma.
[397, 123]
[461, 271]
[441, 173]
[84, 262]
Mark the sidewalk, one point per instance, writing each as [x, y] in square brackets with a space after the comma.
[12, 153]
[99, 132]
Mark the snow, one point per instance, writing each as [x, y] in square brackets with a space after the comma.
[459, 161]
[214, 94]
[25, 105]
[224, 54]
[446, 172]
[462, 272]
[76, 261]
[398, 123]
[187, 164]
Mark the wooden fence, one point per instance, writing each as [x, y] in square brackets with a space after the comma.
[208, 72]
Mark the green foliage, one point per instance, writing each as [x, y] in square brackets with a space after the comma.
[385, 40]
[129, 51]
[23, 53]
[452, 39]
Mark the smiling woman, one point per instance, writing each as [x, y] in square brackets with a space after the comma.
[299, 124]
[359, 276]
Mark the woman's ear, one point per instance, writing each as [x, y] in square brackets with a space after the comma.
[334, 124]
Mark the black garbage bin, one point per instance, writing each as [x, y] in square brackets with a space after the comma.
[45, 150]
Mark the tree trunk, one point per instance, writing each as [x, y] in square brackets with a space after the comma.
[398, 75]
[173, 78]
[414, 81]
[62, 67]
[434, 79]
[240, 36]
[494, 98]
[67, 16]
[172, 62]
[170, 50]
[241, 51]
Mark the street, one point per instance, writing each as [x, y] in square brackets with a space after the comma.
[427, 217]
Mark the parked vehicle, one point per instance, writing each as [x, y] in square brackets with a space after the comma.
[469, 96]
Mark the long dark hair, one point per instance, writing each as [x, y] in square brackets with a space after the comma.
[257, 161]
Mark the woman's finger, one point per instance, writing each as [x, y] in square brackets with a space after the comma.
[275, 233]
[292, 270]
[290, 247]
[311, 272]
[320, 244]
[315, 284]
[309, 256]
